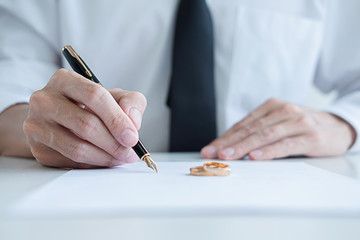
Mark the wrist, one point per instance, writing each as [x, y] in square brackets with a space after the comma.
[13, 141]
[349, 130]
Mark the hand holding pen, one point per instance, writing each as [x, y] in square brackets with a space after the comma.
[100, 132]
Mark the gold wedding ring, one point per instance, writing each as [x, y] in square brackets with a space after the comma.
[218, 169]
[211, 169]
[200, 171]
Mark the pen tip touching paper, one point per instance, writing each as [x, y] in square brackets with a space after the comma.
[150, 163]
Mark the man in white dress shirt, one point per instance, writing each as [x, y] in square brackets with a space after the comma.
[267, 54]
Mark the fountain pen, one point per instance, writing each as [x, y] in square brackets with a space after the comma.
[79, 66]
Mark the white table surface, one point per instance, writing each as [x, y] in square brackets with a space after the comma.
[19, 177]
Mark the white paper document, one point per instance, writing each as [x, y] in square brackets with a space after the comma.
[252, 188]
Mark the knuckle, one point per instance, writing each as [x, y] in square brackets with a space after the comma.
[317, 137]
[131, 98]
[114, 122]
[222, 141]
[28, 126]
[96, 93]
[247, 130]
[77, 152]
[61, 72]
[218, 143]
[259, 123]
[267, 133]
[118, 151]
[32, 129]
[37, 98]
[59, 76]
[237, 126]
[252, 115]
[289, 108]
[306, 122]
[288, 143]
[41, 102]
[87, 125]
[139, 96]
[273, 101]
[242, 149]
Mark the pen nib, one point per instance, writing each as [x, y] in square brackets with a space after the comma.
[150, 163]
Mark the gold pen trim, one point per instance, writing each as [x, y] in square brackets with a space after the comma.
[76, 56]
[149, 162]
[144, 156]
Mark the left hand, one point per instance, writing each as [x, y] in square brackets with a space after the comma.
[278, 129]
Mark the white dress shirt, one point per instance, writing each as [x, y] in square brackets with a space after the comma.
[263, 49]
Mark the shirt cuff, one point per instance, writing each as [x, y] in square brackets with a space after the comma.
[19, 79]
[350, 112]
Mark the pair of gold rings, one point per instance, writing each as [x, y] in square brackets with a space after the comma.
[211, 169]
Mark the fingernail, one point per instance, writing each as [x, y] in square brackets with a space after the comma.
[228, 152]
[257, 153]
[209, 151]
[128, 138]
[135, 116]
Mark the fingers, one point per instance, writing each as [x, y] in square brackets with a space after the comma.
[88, 127]
[102, 103]
[279, 129]
[51, 158]
[283, 148]
[258, 139]
[132, 103]
[131, 157]
[269, 106]
[269, 123]
[261, 127]
[264, 116]
[322, 135]
[73, 123]
[69, 145]
[245, 125]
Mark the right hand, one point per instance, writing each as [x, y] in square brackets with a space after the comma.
[75, 123]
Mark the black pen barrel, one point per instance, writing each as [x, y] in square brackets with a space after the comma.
[140, 149]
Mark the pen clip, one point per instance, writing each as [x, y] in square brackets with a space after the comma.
[78, 59]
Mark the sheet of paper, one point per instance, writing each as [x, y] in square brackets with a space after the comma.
[252, 188]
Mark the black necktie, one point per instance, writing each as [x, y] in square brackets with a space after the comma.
[191, 94]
